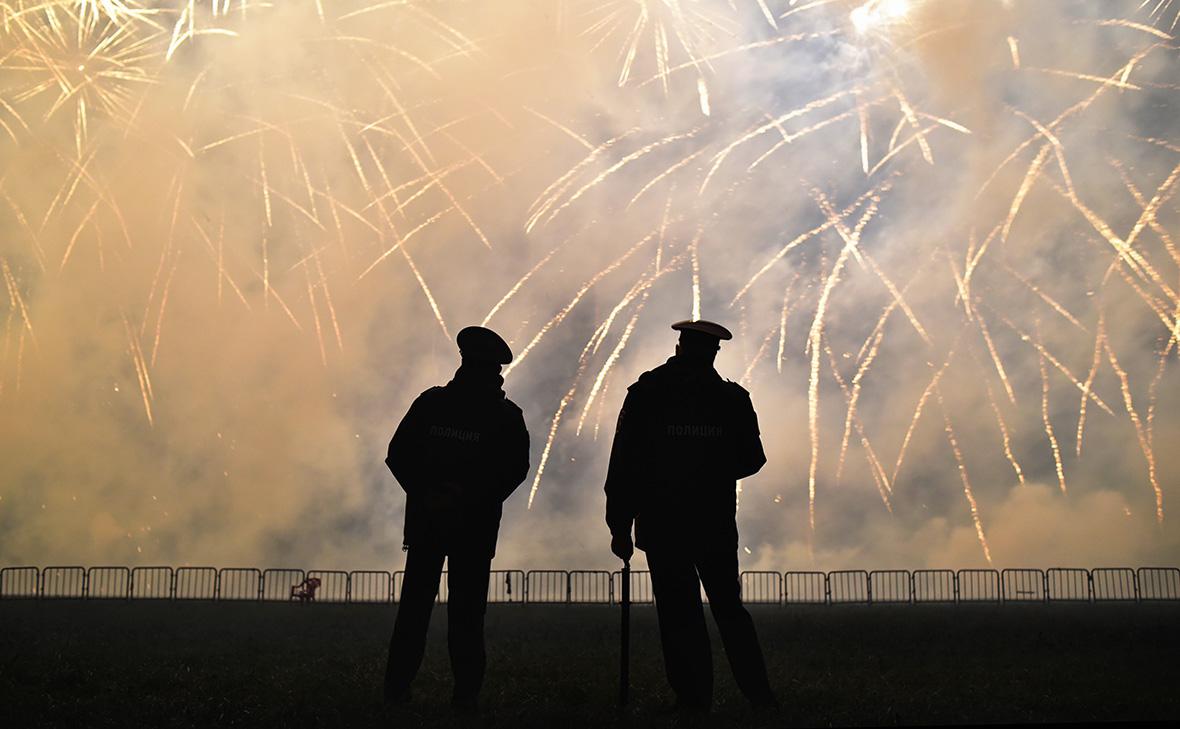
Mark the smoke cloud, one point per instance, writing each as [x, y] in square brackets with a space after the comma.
[237, 240]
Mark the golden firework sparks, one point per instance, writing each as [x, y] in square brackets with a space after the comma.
[321, 187]
[875, 468]
[1140, 431]
[1004, 435]
[962, 466]
[1057, 464]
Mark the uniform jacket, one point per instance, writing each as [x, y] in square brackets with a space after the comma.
[684, 437]
[459, 452]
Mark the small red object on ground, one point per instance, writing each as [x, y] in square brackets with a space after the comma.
[305, 591]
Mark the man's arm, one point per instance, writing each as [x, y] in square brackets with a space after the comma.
[516, 452]
[622, 484]
[405, 448]
[749, 457]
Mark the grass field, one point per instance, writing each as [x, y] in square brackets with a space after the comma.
[198, 664]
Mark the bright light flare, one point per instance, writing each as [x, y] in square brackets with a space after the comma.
[877, 14]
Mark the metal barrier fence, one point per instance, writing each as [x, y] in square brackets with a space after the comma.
[641, 590]
[148, 583]
[20, 582]
[841, 587]
[1067, 584]
[848, 586]
[195, 583]
[805, 587]
[277, 584]
[591, 586]
[239, 583]
[933, 586]
[1159, 583]
[506, 586]
[891, 586]
[977, 586]
[1023, 585]
[110, 583]
[333, 585]
[762, 587]
[1114, 583]
[369, 586]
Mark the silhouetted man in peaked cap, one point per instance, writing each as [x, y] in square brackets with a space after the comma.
[459, 452]
[684, 437]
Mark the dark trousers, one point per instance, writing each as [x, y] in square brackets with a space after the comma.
[687, 656]
[467, 599]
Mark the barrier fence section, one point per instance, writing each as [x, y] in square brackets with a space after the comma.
[506, 586]
[641, 590]
[805, 587]
[110, 583]
[370, 586]
[1067, 584]
[762, 587]
[933, 586]
[20, 582]
[977, 586]
[63, 582]
[239, 583]
[848, 586]
[195, 583]
[277, 584]
[333, 585]
[1159, 583]
[591, 586]
[890, 586]
[151, 583]
[543, 586]
[1114, 583]
[1023, 585]
[564, 587]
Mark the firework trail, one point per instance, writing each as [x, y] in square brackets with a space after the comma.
[564, 312]
[744, 380]
[642, 290]
[930, 389]
[814, 339]
[875, 468]
[1099, 338]
[1140, 431]
[782, 324]
[1058, 466]
[962, 466]
[991, 398]
[553, 425]
[17, 302]
[853, 393]
[610, 361]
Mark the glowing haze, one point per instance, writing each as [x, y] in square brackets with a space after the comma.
[237, 239]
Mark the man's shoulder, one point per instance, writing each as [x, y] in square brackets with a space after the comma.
[510, 408]
[648, 381]
[735, 390]
[431, 400]
[432, 393]
[737, 397]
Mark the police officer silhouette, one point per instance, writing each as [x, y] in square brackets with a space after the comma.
[684, 437]
[458, 453]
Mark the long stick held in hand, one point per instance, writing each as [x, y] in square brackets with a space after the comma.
[625, 637]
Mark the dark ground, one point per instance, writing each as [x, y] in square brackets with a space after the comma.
[68, 663]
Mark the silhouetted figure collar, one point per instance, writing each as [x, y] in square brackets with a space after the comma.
[480, 378]
[692, 365]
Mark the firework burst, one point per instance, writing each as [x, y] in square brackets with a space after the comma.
[834, 177]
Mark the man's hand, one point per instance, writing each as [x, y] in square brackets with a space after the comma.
[622, 546]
